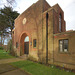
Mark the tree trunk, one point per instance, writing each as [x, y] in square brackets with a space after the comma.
[1, 39]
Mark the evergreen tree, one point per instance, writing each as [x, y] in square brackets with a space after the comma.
[7, 17]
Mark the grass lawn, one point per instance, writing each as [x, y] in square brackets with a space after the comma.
[5, 55]
[38, 69]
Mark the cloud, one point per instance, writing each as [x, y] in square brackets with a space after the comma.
[69, 14]
[24, 4]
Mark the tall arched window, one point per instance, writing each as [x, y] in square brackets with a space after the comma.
[60, 22]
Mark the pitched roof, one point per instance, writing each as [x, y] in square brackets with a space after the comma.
[41, 4]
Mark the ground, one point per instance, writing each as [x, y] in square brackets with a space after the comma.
[40, 69]
[5, 55]
[6, 69]
[21, 66]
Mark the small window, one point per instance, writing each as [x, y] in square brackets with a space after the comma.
[47, 16]
[16, 44]
[63, 45]
[34, 43]
[60, 23]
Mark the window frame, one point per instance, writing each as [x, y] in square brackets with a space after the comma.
[63, 46]
[33, 43]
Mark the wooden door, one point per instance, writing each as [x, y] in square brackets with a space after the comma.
[26, 48]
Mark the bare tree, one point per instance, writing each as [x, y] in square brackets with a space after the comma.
[11, 3]
[8, 3]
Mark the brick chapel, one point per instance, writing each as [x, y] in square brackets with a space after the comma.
[48, 41]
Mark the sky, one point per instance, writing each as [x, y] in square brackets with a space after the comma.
[68, 6]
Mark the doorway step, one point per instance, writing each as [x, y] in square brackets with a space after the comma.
[24, 56]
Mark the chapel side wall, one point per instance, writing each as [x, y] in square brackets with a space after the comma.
[50, 36]
[43, 57]
[65, 59]
[39, 23]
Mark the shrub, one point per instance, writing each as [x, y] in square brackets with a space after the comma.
[32, 58]
[10, 47]
[1, 48]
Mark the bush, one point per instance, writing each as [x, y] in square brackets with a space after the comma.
[32, 58]
[1, 48]
[10, 47]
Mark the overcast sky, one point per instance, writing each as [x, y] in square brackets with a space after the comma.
[68, 6]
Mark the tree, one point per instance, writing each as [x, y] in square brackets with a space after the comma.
[7, 17]
[2, 26]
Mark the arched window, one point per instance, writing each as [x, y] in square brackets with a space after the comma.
[60, 22]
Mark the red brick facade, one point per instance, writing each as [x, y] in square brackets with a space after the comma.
[41, 23]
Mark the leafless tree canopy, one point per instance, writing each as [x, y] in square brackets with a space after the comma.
[9, 3]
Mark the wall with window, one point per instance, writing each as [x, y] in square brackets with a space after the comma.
[59, 22]
[48, 39]
[64, 49]
[30, 23]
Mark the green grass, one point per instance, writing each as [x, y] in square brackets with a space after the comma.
[38, 69]
[5, 55]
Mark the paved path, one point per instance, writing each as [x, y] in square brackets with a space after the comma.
[7, 69]
[15, 72]
[4, 61]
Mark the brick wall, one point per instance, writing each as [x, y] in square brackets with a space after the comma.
[35, 27]
[32, 28]
[66, 59]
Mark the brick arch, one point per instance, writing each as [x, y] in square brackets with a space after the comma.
[25, 32]
[21, 41]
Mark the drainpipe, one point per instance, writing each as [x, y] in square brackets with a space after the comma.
[46, 38]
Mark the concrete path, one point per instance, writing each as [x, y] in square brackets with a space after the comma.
[4, 61]
[15, 72]
[7, 69]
